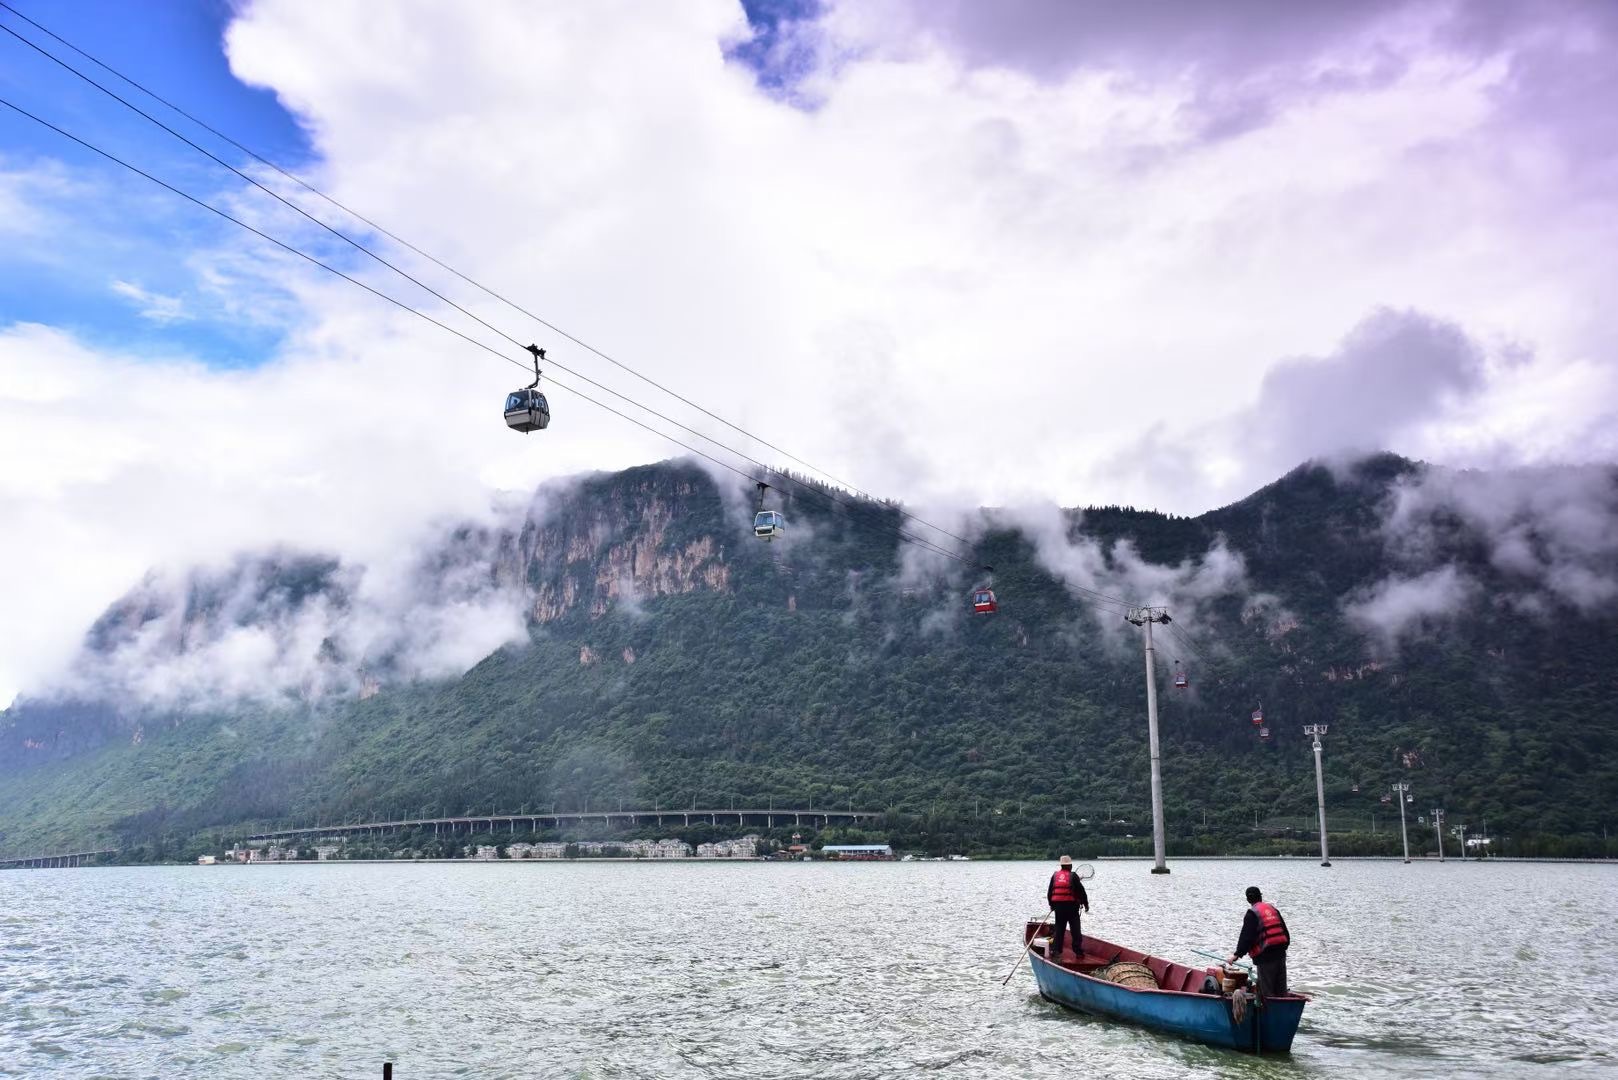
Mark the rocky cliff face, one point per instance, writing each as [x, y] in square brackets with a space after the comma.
[304, 628]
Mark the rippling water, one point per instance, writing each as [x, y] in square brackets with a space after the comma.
[772, 970]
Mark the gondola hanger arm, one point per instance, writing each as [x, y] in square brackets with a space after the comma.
[539, 354]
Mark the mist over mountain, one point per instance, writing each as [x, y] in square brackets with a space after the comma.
[623, 638]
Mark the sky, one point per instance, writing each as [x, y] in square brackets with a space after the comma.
[1067, 251]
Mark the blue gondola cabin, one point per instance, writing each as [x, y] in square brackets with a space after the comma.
[769, 525]
[527, 410]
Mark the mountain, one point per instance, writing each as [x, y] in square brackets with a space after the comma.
[624, 639]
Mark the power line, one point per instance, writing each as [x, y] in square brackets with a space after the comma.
[360, 217]
[426, 288]
[826, 497]
[904, 536]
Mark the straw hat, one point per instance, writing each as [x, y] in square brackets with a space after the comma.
[1067, 860]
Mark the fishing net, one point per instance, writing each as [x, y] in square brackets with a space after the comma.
[1128, 974]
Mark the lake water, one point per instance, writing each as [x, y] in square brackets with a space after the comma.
[776, 970]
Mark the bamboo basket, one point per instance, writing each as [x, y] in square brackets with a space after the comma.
[1129, 974]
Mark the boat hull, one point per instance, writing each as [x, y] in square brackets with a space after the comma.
[1205, 1018]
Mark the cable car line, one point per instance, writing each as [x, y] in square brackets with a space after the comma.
[509, 303]
[427, 288]
[918, 541]
[1186, 640]
[903, 535]
[825, 496]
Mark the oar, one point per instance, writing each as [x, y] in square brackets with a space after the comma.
[1223, 962]
[1025, 947]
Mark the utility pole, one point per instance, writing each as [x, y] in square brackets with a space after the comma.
[1399, 790]
[1146, 616]
[1317, 730]
[1438, 827]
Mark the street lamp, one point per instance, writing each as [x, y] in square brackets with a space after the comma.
[1399, 791]
[1317, 730]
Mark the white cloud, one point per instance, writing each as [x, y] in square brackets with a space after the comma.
[154, 307]
[947, 281]
[1399, 605]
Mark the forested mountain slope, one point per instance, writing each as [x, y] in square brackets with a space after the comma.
[624, 638]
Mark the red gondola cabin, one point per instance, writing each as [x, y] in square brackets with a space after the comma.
[983, 602]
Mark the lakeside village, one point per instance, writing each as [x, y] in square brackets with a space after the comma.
[752, 846]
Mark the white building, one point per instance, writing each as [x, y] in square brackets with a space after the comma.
[744, 848]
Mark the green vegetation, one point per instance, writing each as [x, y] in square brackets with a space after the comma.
[819, 679]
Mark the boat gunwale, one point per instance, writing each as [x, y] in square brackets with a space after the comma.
[1289, 996]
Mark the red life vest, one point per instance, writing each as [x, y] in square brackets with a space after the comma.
[1271, 930]
[1062, 887]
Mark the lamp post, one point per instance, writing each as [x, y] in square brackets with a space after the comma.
[1317, 730]
[1145, 617]
[1438, 827]
[1399, 791]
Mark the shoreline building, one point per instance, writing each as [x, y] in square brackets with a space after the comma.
[859, 852]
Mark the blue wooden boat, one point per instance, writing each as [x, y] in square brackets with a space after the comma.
[1178, 1004]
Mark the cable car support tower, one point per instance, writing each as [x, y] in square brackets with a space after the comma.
[1145, 617]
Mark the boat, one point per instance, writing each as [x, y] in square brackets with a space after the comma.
[1192, 1002]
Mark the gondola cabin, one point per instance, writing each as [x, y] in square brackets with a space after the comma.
[769, 525]
[1264, 734]
[1180, 681]
[983, 602]
[527, 410]
[1258, 717]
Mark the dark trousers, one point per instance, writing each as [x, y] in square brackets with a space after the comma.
[1067, 914]
[1272, 973]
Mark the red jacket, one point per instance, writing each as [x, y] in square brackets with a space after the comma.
[1070, 891]
[1263, 929]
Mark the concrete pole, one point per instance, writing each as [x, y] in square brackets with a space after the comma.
[1158, 846]
[1399, 790]
[1317, 730]
[1438, 827]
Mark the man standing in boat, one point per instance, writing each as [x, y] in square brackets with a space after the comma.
[1066, 896]
[1265, 938]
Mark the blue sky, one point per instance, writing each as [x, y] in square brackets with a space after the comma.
[115, 260]
[110, 245]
